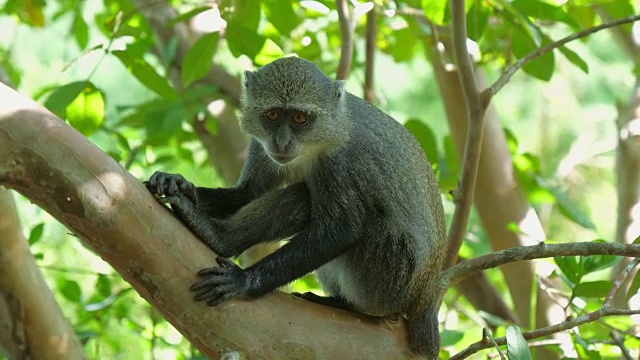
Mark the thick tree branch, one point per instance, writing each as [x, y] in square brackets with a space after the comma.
[506, 76]
[467, 267]
[347, 26]
[463, 196]
[33, 319]
[62, 172]
[605, 310]
[371, 34]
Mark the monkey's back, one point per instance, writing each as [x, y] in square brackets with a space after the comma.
[403, 240]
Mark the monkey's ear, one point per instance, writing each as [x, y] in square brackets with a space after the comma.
[338, 89]
[249, 78]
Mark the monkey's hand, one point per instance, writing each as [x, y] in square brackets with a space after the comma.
[163, 184]
[221, 283]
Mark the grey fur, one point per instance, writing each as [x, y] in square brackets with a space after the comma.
[351, 186]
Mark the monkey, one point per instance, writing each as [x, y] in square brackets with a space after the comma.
[346, 184]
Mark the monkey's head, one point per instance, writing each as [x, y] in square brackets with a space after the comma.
[294, 110]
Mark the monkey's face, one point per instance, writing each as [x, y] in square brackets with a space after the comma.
[293, 110]
[282, 131]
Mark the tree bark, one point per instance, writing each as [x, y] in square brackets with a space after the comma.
[498, 197]
[31, 323]
[111, 212]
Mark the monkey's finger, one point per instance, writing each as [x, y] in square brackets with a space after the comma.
[219, 300]
[208, 294]
[224, 262]
[209, 271]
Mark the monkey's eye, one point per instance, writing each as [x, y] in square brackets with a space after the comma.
[300, 118]
[272, 115]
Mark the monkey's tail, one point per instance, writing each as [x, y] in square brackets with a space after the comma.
[424, 336]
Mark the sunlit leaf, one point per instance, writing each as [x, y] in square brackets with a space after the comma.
[188, 15]
[103, 285]
[71, 291]
[592, 289]
[574, 58]
[80, 30]
[62, 96]
[197, 61]
[517, 347]
[86, 111]
[570, 267]
[451, 337]
[426, 138]
[146, 74]
[281, 15]
[243, 40]
[435, 10]
[477, 19]
[36, 233]
[544, 11]
[571, 209]
[522, 44]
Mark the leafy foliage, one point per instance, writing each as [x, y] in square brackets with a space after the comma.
[130, 92]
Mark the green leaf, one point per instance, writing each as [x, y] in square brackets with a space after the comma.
[593, 263]
[592, 289]
[435, 10]
[517, 348]
[244, 41]
[451, 337]
[477, 19]
[574, 58]
[86, 112]
[570, 209]
[146, 74]
[635, 285]
[80, 30]
[36, 233]
[570, 267]
[402, 44]
[62, 96]
[197, 61]
[71, 291]
[245, 12]
[522, 44]
[103, 285]
[164, 122]
[188, 15]
[544, 11]
[425, 137]
[281, 15]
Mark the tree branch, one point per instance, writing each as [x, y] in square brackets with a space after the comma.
[371, 33]
[111, 212]
[347, 26]
[463, 196]
[465, 268]
[605, 310]
[506, 76]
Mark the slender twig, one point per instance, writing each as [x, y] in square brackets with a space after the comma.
[476, 106]
[620, 343]
[465, 268]
[619, 281]
[546, 331]
[347, 26]
[506, 76]
[371, 33]
[486, 334]
[569, 323]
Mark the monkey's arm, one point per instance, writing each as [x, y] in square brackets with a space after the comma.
[311, 248]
